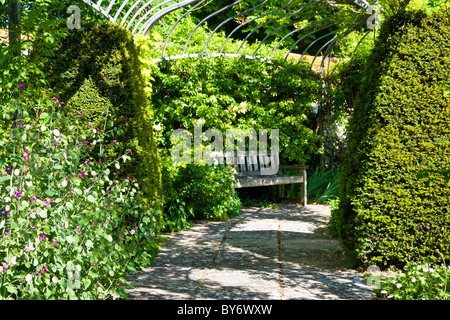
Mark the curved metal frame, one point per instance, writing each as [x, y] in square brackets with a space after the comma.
[141, 17]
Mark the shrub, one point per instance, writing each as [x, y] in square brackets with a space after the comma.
[96, 71]
[389, 214]
[70, 227]
[199, 192]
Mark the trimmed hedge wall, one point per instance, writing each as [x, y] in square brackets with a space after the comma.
[394, 203]
[96, 71]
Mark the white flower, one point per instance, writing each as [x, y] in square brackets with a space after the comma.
[29, 278]
[399, 285]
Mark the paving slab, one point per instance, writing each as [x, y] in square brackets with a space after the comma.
[262, 254]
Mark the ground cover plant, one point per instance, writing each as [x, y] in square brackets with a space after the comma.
[415, 281]
[70, 226]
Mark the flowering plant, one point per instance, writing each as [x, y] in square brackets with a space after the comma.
[70, 227]
[416, 281]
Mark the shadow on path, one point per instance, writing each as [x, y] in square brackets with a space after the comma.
[262, 254]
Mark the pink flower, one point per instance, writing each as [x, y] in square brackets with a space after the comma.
[48, 201]
[114, 141]
[21, 86]
[55, 98]
[62, 103]
[27, 248]
[5, 266]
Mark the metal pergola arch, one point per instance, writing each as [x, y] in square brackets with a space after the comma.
[140, 16]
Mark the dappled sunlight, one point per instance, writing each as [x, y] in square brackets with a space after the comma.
[261, 254]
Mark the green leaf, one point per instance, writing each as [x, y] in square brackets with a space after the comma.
[23, 205]
[50, 193]
[89, 244]
[86, 283]
[11, 288]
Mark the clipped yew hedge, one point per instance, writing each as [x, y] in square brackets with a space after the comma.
[394, 199]
[96, 73]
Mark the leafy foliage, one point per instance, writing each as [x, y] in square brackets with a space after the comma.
[223, 93]
[388, 213]
[226, 93]
[96, 71]
[70, 227]
[199, 192]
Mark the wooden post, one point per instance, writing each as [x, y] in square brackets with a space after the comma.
[14, 20]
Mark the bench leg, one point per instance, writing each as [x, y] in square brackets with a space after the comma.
[278, 196]
[304, 189]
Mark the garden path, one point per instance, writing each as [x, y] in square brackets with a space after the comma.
[262, 254]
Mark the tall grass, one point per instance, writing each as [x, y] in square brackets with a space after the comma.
[323, 185]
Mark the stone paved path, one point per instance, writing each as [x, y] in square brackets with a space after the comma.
[262, 254]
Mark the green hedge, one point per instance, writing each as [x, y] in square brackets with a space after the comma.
[394, 202]
[96, 71]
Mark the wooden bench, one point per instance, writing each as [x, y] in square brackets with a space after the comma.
[260, 171]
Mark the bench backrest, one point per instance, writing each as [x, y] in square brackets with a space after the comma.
[247, 163]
